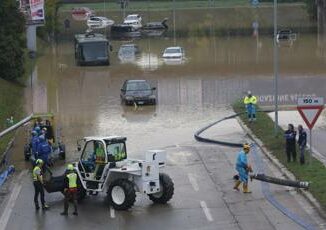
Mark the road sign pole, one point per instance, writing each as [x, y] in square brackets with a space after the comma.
[310, 137]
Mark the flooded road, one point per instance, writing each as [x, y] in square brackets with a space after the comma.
[216, 72]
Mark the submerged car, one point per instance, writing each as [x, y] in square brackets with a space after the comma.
[133, 20]
[176, 52]
[137, 91]
[285, 35]
[128, 52]
[99, 21]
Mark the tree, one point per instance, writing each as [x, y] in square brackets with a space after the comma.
[51, 27]
[312, 8]
[12, 40]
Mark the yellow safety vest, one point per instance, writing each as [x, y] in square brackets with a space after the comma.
[252, 100]
[36, 168]
[119, 156]
[72, 179]
[100, 155]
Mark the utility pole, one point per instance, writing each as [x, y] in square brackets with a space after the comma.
[275, 57]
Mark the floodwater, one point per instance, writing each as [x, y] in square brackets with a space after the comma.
[216, 71]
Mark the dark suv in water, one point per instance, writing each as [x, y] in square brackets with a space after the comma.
[137, 91]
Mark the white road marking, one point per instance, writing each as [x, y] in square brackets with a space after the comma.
[11, 202]
[193, 181]
[112, 212]
[206, 211]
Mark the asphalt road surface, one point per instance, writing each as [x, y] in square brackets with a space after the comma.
[203, 199]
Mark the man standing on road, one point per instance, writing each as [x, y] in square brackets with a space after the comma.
[38, 185]
[290, 135]
[250, 102]
[243, 169]
[70, 190]
[302, 141]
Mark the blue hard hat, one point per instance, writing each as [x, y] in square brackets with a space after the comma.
[34, 133]
[37, 128]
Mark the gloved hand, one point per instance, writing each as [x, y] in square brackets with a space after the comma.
[249, 168]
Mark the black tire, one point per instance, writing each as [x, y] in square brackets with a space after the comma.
[167, 192]
[129, 194]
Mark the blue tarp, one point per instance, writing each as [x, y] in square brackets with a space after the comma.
[4, 175]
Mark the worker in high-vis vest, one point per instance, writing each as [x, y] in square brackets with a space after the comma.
[70, 190]
[99, 160]
[38, 184]
[250, 102]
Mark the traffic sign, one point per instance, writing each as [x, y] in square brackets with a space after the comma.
[310, 108]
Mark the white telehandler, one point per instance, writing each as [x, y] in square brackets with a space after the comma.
[103, 167]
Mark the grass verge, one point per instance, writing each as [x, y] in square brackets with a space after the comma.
[315, 172]
[159, 5]
[12, 101]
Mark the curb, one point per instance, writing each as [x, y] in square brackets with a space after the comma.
[311, 199]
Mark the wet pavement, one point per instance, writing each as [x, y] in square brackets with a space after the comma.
[203, 198]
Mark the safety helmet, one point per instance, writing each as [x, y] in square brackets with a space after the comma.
[37, 128]
[34, 133]
[44, 128]
[246, 146]
[70, 167]
[39, 161]
[249, 92]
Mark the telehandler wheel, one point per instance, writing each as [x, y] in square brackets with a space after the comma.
[166, 190]
[121, 194]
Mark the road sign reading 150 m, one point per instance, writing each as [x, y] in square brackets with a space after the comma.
[310, 108]
[307, 101]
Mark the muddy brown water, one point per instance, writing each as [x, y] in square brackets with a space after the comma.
[191, 94]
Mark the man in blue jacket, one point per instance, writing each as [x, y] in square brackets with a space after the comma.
[290, 148]
[44, 150]
[34, 143]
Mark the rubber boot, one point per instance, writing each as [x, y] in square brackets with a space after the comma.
[245, 188]
[236, 185]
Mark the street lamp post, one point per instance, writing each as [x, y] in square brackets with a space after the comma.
[275, 60]
[32, 55]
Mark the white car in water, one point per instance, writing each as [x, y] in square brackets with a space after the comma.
[175, 52]
[133, 20]
[98, 21]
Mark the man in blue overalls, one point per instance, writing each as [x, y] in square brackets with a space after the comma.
[243, 169]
